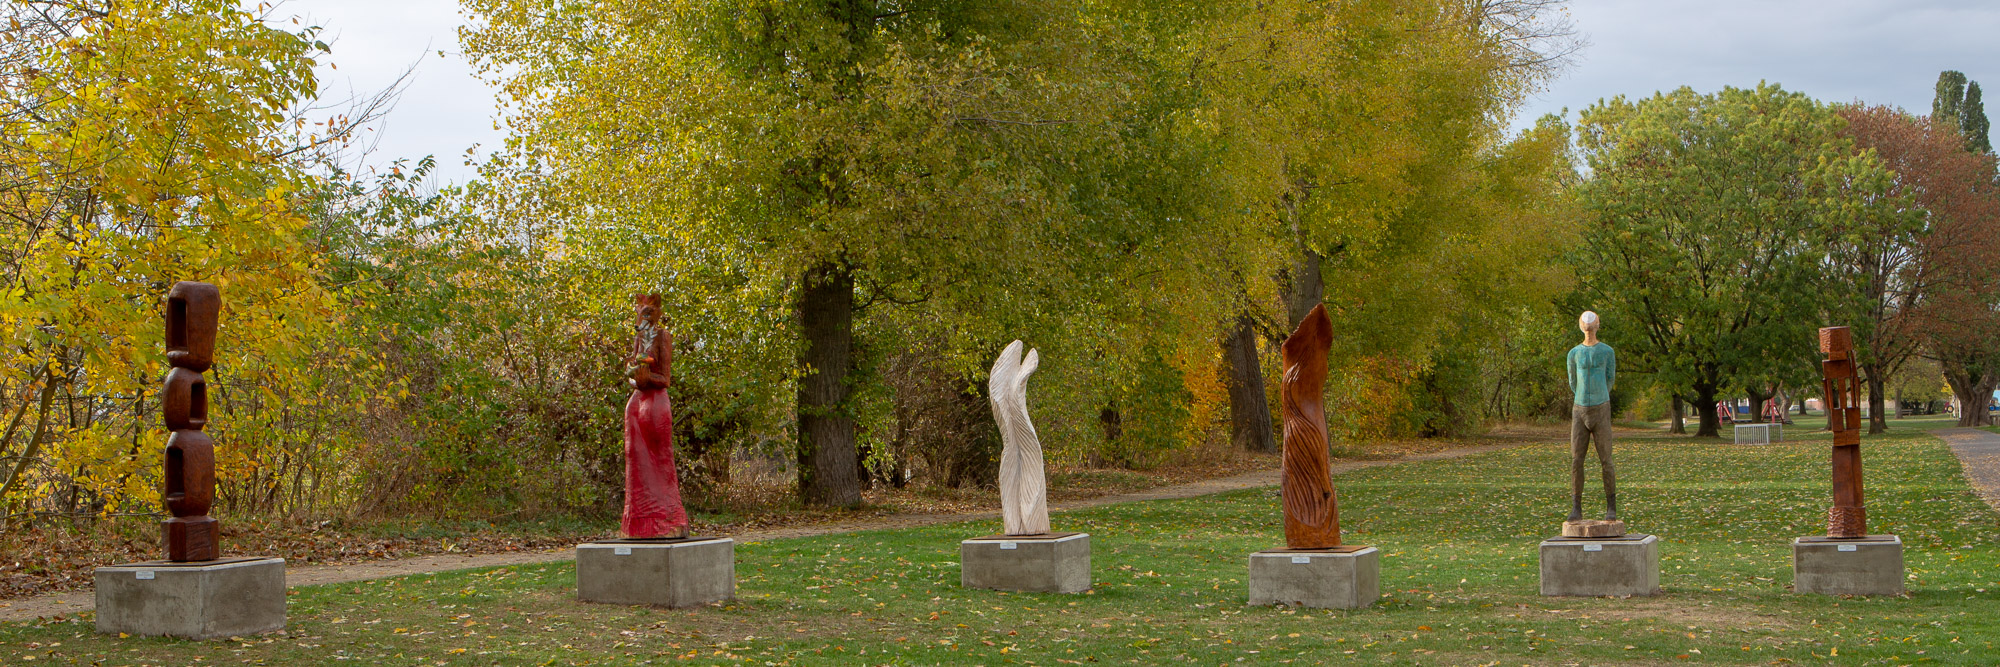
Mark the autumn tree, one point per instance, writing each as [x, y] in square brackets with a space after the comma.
[814, 180]
[1358, 138]
[1944, 207]
[1962, 333]
[1709, 218]
[143, 143]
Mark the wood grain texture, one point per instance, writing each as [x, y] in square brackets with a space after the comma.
[1848, 518]
[188, 489]
[1024, 492]
[1312, 512]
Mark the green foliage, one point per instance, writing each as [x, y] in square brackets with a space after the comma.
[1973, 121]
[982, 171]
[1712, 215]
[1958, 105]
[1483, 274]
[495, 400]
[1366, 137]
[1108, 182]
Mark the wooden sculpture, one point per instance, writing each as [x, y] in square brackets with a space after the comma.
[1592, 367]
[652, 487]
[1847, 517]
[192, 312]
[1312, 513]
[1024, 494]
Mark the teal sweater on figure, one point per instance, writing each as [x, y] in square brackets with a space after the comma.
[1591, 370]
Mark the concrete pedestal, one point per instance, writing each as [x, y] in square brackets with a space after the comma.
[1595, 566]
[229, 597]
[1052, 563]
[1871, 565]
[670, 573]
[1337, 578]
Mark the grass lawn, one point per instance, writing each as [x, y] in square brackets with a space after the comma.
[1458, 577]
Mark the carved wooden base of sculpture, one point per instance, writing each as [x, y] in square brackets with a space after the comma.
[1053, 535]
[192, 538]
[1593, 528]
[1846, 522]
[1342, 549]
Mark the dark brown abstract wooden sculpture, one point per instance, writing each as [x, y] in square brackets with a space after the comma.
[1312, 513]
[1847, 517]
[652, 487]
[192, 312]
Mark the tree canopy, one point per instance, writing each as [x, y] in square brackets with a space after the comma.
[1712, 218]
[145, 143]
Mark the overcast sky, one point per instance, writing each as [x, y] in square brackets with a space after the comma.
[1881, 52]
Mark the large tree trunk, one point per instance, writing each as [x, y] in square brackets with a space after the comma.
[1679, 424]
[1877, 422]
[1704, 403]
[1249, 409]
[1112, 423]
[1974, 392]
[863, 477]
[1757, 400]
[1304, 288]
[827, 459]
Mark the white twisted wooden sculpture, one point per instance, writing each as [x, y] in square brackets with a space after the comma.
[1024, 493]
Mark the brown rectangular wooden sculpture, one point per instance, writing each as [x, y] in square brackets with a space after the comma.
[1847, 518]
[192, 312]
[1312, 513]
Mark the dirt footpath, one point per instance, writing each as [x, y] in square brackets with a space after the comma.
[73, 602]
[1979, 452]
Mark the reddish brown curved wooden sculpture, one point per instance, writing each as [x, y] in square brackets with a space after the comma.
[652, 488]
[1312, 513]
[1847, 517]
[193, 310]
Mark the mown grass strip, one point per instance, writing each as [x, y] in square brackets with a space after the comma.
[1459, 583]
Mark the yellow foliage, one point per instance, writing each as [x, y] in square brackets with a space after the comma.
[142, 143]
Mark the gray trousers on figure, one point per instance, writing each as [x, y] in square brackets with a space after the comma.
[1589, 423]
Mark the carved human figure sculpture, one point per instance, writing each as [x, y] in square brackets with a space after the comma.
[1312, 512]
[1024, 493]
[652, 488]
[1593, 369]
[1847, 518]
[193, 310]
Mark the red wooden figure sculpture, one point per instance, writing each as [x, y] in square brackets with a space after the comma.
[1847, 517]
[652, 488]
[192, 312]
[1312, 513]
